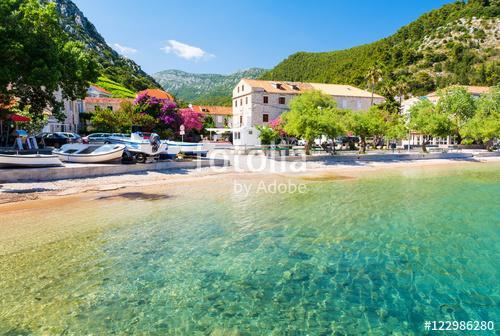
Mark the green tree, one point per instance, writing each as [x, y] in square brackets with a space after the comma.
[38, 58]
[395, 128]
[370, 123]
[208, 122]
[402, 88]
[122, 120]
[373, 75]
[458, 105]
[430, 121]
[311, 115]
[484, 126]
[35, 125]
[267, 135]
[106, 120]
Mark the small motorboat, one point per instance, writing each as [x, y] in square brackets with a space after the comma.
[187, 148]
[17, 159]
[140, 147]
[90, 153]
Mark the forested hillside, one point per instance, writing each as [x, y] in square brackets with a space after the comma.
[114, 67]
[456, 44]
[203, 89]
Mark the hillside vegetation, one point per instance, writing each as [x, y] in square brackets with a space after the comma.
[456, 44]
[117, 68]
[118, 90]
[203, 89]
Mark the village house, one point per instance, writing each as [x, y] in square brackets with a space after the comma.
[98, 98]
[222, 118]
[92, 104]
[97, 91]
[221, 115]
[257, 102]
[71, 110]
[416, 138]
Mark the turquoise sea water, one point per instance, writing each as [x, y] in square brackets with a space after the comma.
[376, 255]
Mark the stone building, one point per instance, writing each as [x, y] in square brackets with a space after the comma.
[91, 104]
[71, 110]
[257, 102]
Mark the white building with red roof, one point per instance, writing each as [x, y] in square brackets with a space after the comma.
[97, 91]
[221, 115]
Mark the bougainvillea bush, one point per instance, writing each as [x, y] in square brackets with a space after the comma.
[278, 125]
[191, 120]
[168, 117]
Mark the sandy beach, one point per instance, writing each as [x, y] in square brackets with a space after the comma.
[23, 196]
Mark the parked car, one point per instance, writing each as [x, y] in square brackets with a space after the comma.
[96, 138]
[56, 139]
[75, 138]
[346, 139]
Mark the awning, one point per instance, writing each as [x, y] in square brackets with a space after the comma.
[220, 130]
[19, 118]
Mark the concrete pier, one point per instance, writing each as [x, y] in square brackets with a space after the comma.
[75, 170]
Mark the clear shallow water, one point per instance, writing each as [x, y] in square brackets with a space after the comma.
[376, 255]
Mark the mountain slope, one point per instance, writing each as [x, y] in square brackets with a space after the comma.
[213, 89]
[456, 44]
[114, 66]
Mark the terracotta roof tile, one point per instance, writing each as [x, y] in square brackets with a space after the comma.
[98, 88]
[157, 93]
[215, 110]
[299, 87]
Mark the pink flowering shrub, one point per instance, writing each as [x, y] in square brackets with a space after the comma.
[168, 117]
[278, 125]
[190, 119]
[164, 110]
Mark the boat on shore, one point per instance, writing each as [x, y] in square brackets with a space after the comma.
[140, 147]
[187, 148]
[28, 160]
[88, 153]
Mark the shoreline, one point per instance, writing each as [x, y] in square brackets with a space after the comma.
[33, 195]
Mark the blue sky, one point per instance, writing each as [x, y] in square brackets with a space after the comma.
[222, 36]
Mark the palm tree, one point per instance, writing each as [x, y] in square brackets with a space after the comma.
[373, 76]
[402, 88]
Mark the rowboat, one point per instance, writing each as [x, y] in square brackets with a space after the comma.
[187, 148]
[20, 160]
[88, 153]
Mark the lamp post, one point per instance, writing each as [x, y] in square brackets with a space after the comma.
[409, 129]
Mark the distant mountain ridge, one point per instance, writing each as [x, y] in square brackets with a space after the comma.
[210, 89]
[117, 68]
[455, 44]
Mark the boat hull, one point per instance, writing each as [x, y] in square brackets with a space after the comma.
[29, 161]
[187, 148]
[108, 153]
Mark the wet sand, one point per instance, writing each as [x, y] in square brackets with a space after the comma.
[155, 185]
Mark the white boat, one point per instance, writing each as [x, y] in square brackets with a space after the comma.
[88, 153]
[140, 147]
[19, 160]
[188, 148]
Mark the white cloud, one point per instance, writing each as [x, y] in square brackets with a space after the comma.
[124, 50]
[186, 51]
